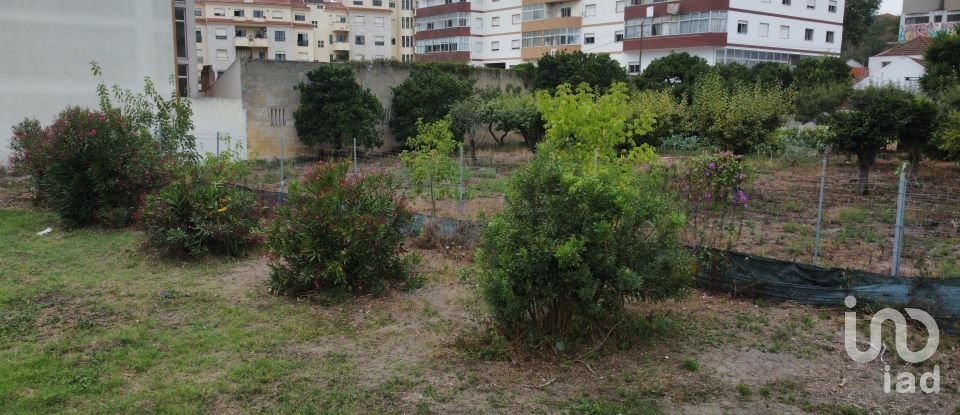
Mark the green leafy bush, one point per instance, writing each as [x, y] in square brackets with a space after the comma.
[429, 164]
[91, 167]
[428, 94]
[200, 212]
[713, 187]
[339, 233]
[739, 119]
[572, 246]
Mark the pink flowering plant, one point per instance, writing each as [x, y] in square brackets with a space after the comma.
[89, 166]
[339, 233]
[716, 189]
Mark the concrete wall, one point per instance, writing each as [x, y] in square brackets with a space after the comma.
[219, 117]
[900, 71]
[48, 46]
[267, 86]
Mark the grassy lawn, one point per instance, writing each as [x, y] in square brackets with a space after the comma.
[91, 324]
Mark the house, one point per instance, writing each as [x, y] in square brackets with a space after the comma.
[901, 65]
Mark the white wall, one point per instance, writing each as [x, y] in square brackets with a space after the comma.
[48, 45]
[223, 116]
[796, 41]
[894, 73]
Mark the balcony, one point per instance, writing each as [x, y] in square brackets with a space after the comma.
[250, 42]
[340, 26]
[534, 53]
[340, 46]
[552, 23]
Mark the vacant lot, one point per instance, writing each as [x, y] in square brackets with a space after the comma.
[89, 324]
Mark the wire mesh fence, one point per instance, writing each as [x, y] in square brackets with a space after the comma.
[856, 230]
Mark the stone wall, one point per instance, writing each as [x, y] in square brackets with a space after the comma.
[269, 98]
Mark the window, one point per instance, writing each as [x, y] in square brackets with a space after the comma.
[280, 56]
[764, 29]
[378, 21]
[565, 12]
[785, 2]
[515, 19]
[551, 37]
[534, 12]
[916, 20]
[219, 12]
[811, 4]
[953, 17]
[620, 6]
[808, 34]
[303, 39]
[277, 14]
[280, 36]
[220, 34]
[221, 54]
[358, 20]
[742, 27]
[198, 12]
[589, 38]
[618, 36]
[278, 117]
[199, 36]
[590, 10]
[832, 6]
[830, 37]
[495, 46]
[303, 56]
[258, 14]
[378, 41]
[633, 68]
[784, 32]
[360, 40]
[199, 55]
[300, 17]
[695, 22]
[238, 13]
[515, 44]
[495, 21]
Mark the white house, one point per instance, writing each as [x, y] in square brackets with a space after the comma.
[901, 65]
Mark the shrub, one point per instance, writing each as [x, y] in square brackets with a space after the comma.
[429, 164]
[201, 212]
[677, 72]
[713, 188]
[739, 119]
[339, 233]
[598, 70]
[91, 167]
[572, 246]
[335, 109]
[429, 94]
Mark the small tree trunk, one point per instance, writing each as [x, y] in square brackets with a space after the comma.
[433, 200]
[864, 178]
[473, 150]
[916, 157]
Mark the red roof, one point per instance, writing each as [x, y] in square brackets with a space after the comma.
[915, 47]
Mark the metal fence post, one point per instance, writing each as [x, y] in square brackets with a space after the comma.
[823, 183]
[355, 167]
[898, 229]
[461, 179]
[281, 169]
[218, 143]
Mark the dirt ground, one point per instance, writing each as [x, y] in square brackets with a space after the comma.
[752, 357]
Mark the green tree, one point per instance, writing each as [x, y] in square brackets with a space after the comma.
[943, 63]
[812, 72]
[583, 126]
[876, 117]
[677, 72]
[857, 18]
[516, 112]
[919, 130]
[772, 73]
[428, 94]
[741, 118]
[335, 109]
[429, 164]
[595, 69]
[816, 102]
[671, 115]
[883, 31]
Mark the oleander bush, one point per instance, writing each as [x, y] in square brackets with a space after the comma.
[339, 233]
[202, 212]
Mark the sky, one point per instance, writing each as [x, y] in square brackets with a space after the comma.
[891, 6]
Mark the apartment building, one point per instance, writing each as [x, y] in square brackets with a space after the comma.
[732, 31]
[504, 33]
[362, 29]
[925, 18]
[302, 30]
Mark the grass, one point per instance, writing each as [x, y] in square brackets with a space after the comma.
[91, 325]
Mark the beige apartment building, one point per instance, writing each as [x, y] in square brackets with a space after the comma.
[301, 30]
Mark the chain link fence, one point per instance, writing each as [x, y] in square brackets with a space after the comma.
[810, 212]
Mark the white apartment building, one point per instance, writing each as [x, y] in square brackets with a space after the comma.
[732, 31]
[925, 18]
[302, 30]
[504, 33]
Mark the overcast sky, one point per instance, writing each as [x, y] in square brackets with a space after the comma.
[891, 6]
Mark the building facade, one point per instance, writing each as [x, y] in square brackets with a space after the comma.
[302, 30]
[733, 31]
[504, 33]
[925, 18]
